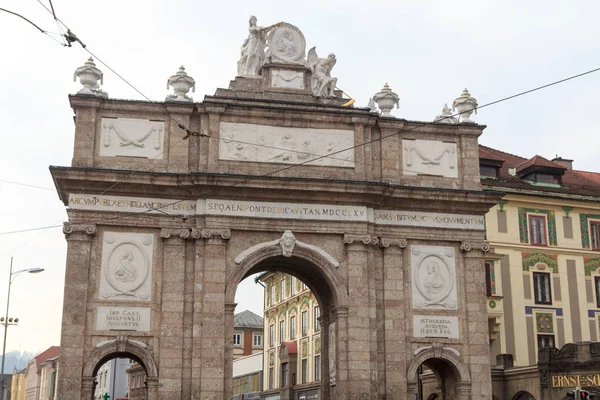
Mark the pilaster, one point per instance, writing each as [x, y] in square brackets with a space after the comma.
[394, 318]
[177, 149]
[79, 247]
[214, 119]
[476, 314]
[362, 349]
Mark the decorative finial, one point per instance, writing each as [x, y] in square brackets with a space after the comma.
[89, 76]
[181, 84]
[465, 105]
[372, 105]
[386, 99]
[446, 116]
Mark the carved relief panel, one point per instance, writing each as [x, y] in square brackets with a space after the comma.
[131, 138]
[429, 157]
[433, 277]
[126, 266]
[288, 79]
[285, 145]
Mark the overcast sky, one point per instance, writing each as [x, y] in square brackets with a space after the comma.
[428, 51]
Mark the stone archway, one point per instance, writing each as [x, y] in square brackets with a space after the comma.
[318, 270]
[449, 369]
[523, 395]
[119, 347]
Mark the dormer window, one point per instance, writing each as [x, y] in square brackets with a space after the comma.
[489, 168]
[539, 171]
[488, 172]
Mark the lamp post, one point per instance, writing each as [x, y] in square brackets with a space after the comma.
[11, 277]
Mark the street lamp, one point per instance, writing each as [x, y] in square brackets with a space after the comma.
[6, 321]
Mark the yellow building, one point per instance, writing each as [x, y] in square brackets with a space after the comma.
[17, 389]
[543, 281]
[292, 348]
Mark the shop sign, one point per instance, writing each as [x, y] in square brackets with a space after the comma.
[575, 380]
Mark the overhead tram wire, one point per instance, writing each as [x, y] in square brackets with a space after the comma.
[37, 27]
[190, 133]
[419, 124]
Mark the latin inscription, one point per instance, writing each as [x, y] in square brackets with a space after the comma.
[123, 319]
[434, 220]
[575, 380]
[435, 326]
[131, 204]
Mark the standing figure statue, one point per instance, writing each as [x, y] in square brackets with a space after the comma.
[323, 85]
[253, 49]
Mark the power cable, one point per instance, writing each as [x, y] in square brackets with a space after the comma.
[37, 27]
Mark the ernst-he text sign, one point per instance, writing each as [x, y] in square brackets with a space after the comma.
[435, 326]
[123, 319]
[576, 380]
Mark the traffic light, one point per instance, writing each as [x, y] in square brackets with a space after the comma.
[571, 394]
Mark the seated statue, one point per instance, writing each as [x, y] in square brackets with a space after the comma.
[322, 84]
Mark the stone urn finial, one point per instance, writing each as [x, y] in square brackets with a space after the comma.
[465, 105]
[446, 116]
[181, 83]
[386, 99]
[89, 76]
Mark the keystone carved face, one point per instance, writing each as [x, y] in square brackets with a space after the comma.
[287, 243]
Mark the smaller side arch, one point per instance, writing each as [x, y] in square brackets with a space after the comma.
[447, 354]
[115, 348]
[523, 395]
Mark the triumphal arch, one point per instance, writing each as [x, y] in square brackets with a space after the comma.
[382, 218]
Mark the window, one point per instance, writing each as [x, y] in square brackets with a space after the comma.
[597, 282]
[304, 370]
[257, 340]
[281, 331]
[237, 339]
[595, 235]
[317, 324]
[545, 341]
[271, 378]
[541, 288]
[272, 287]
[282, 289]
[293, 286]
[488, 279]
[317, 368]
[293, 327]
[488, 172]
[284, 374]
[304, 323]
[304, 287]
[537, 230]
[271, 335]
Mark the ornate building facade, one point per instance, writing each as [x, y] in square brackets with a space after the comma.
[292, 362]
[543, 282]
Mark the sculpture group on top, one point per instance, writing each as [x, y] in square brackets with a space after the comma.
[283, 43]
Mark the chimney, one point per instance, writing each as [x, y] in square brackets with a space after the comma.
[568, 164]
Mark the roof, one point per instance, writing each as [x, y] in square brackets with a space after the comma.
[247, 319]
[51, 352]
[538, 161]
[574, 182]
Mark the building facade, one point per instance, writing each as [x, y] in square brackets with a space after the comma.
[543, 282]
[292, 362]
[17, 390]
[248, 376]
[112, 378]
[48, 379]
[247, 334]
[33, 373]
[136, 378]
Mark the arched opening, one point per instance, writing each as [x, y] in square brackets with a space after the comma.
[300, 294]
[120, 377]
[438, 380]
[439, 372]
[127, 356]
[523, 395]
